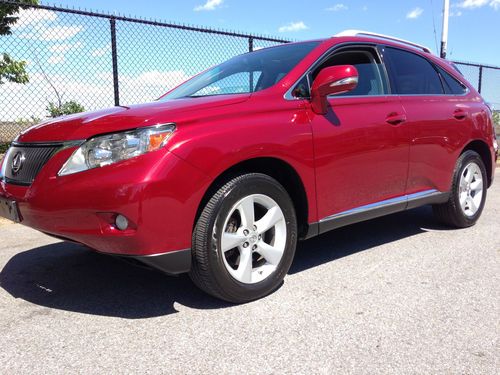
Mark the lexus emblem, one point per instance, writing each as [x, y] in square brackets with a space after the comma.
[17, 163]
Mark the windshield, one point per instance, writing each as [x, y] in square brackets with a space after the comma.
[245, 73]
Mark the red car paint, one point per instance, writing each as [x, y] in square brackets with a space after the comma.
[365, 160]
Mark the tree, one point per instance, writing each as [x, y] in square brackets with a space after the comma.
[67, 108]
[496, 122]
[10, 69]
[496, 117]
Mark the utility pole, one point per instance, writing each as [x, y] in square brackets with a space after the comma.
[444, 35]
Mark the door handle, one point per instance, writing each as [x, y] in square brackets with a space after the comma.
[395, 118]
[460, 114]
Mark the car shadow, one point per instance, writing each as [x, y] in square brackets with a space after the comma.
[70, 277]
[363, 236]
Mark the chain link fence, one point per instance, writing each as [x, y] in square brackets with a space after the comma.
[97, 60]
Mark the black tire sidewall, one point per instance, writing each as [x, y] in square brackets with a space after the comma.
[254, 184]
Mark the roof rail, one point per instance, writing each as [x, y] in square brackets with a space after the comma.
[382, 36]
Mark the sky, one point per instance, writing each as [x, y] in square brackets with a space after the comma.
[470, 30]
[70, 55]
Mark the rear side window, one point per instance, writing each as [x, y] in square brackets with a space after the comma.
[451, 85]
[412, 74]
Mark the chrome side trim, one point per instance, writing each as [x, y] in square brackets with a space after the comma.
[63, 144]
[422, 194]
[382, 204]
[345, 81]
[289, 97]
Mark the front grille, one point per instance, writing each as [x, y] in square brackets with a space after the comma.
[24, 162]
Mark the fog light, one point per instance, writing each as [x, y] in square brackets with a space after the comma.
[121, 222]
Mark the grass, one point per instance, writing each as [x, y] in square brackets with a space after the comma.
[4, 147]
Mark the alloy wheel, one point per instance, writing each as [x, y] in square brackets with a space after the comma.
[471, 189]
[254, 237]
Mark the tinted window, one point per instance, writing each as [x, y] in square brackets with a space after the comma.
[235, 83]
[371, 79]
[412, 74]
[245, 73]
[451, 85]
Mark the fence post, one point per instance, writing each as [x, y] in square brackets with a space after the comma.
[114, 55]
[250, 49]
[480, 84]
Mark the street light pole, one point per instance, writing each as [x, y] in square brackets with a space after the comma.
[444, 35]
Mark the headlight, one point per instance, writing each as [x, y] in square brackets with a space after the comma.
[112, 148]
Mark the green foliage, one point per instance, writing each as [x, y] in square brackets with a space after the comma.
[26, 122]
[496, 117]
[6, 12]
[67, 108]
[4, 147]
[10, 69]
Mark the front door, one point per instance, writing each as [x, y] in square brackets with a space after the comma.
[362, 144]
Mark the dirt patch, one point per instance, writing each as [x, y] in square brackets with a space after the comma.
[5, 222]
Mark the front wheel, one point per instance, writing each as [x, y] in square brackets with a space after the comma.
[244, 240]
[468, 193]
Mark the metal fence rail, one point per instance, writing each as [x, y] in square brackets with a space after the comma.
[99, 60]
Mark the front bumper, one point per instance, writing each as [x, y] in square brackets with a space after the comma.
[171, 263]
[157, 192]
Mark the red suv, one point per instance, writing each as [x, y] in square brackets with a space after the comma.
[221, 176]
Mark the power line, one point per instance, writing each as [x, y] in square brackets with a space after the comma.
[434, 26]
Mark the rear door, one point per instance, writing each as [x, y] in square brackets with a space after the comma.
[438, 117]
[361, 144]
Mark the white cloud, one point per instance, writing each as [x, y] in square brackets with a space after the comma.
[99, 52]
[209, 5]
[473, 4]
[49, 33]
[93, 93]
[59, 51]
[415, 13]
[457, 13]
[33, 17]
[166, 80]
[56, 59]
[495, 4]
[337, 7]
[293, 26]
[41, 24]
[65, 47]
[59, 32]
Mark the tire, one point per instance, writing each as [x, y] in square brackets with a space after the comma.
[468, 193]
[230, 258]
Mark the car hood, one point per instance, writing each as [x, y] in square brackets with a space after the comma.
[82, 126]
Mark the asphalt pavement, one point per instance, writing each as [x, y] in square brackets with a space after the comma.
[395, 295]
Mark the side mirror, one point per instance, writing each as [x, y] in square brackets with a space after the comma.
[330, 81]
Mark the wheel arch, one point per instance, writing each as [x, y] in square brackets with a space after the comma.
[481, 147]
[276, 168]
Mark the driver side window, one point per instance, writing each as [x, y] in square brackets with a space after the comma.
[372, 80]
[371, 76]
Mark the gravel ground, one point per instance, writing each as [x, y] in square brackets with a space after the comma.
[395, 295]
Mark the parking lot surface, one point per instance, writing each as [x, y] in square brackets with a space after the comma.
[399, 294]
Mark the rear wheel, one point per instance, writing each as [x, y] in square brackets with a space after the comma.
[468, 193]
[244, 240]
